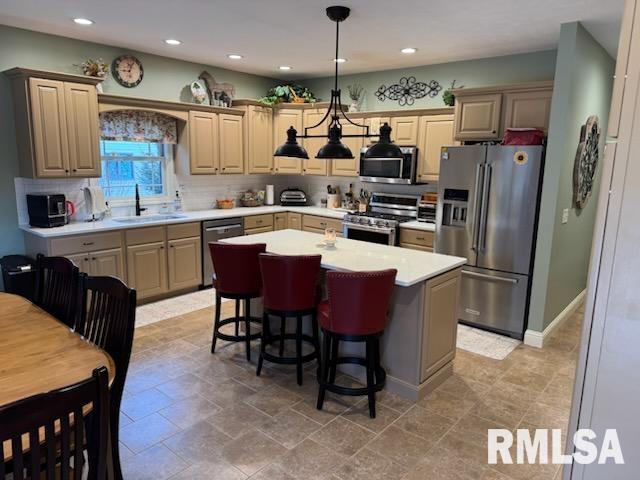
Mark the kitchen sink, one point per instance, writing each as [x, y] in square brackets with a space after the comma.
[149, 218]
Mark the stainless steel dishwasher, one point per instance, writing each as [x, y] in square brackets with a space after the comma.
[212, 231]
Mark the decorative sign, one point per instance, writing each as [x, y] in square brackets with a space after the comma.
[520, 157]
[584, 168]
[407, 90]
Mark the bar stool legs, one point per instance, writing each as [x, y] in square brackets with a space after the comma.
[376, 375]
[246, 318]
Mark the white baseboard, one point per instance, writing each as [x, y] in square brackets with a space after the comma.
[534, 338]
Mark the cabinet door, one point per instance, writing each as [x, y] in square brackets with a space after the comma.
[294, 220]
[280, 221]
[436, 131]
[82, 261]
[405, 130]
[350, 167]
[477, 117]
[81, 103]
[284, 119]
[204, 148]
[313, 165]
[375, 123]
[147, 269]
[107, 263]
[231, 144]
[253, 231]
[528, 109]
[260, 139]
[185, 264]
[49, 124]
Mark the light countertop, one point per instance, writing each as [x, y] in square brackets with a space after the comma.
[78, 228]
[413, 266]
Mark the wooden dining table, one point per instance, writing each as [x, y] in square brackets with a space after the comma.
[38, 353]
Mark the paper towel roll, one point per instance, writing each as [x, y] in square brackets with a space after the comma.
[269, 200]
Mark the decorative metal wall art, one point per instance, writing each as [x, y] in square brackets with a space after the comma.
[408, 90]
[586, 163]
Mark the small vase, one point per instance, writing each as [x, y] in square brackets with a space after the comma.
[353, 107]
[99, 87]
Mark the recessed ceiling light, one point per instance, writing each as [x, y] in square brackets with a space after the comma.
[284, 67]
[172, 41]
[83, 21]
[409, 50]
[234, 56]
[339, 60]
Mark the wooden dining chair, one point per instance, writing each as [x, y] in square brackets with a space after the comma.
[107, 319]
[58, 288]
[59, 414]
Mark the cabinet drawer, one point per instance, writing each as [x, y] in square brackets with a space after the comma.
[413, 246]
[258, 221]
[183, 230]
[86, 243]
[139, 236]
[294, 220]
[416, 237]
[312, 221]
[253, 231]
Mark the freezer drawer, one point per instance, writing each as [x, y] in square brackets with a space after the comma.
[494, 300]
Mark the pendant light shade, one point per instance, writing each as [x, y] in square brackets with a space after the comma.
[291, 148]
[334, 147]
[385, 148]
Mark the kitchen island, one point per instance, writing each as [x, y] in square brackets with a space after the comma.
[419, 343]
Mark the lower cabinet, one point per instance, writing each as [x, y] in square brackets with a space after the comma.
[280, 221]
[259, 224]
[416, 239]
[147, 269]
[316, 224]
[253, 231]
[107, 263]
[185, 265]
[294, 220]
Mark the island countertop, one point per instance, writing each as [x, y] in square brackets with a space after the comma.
[354, 255]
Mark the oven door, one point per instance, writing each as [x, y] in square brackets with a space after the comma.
[366, 233]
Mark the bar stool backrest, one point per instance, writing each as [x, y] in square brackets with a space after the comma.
[289, 281]
[236, 267]
[359, 301]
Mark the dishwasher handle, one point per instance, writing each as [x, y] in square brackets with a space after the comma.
[223, 229]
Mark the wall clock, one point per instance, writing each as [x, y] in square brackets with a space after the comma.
[127, 70]
[586, 163]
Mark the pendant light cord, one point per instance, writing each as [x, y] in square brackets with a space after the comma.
[335, 59]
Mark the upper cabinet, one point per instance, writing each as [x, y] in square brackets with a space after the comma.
[313, 165]
[346, 167]
[478, 116]
[485, 113]
[56, 118]
[231, 144]
[282, 120]
[259, 138]
[204, 147]
[435, 132]
[404, 130]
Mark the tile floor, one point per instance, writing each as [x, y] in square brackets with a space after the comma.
[187, 414]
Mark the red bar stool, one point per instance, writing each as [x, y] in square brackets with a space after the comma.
[237, 276]
[289, 287]
[356, 311]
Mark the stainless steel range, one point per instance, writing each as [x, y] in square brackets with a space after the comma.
[380, 223]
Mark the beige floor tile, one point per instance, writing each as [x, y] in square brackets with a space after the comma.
[445, 464]
[213, 469]
[238, 419]
[289, 427]
[272, 472]
[423, 423]
[201, 442]
[446, 404]
[144, 403]
[368, 465]
[462, 387]
[148, 431]
[309, 459]
[400, 446]
[272, 400]
[546, 416]
[393, 401]
[184, 386]
[155, 463]
[252, 451]
[496, 408]
[333, 406]
[343, 436]
[188, 411]
[527, 379]
[227, 393]
[360, 414]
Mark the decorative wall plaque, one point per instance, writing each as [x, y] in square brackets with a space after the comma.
[586, 163]
[407, 90]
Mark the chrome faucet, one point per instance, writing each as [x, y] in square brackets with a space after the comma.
[138, 208]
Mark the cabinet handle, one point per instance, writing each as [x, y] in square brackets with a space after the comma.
[161, 247]
[493, 131]
[86, 244]
[66, 171]
[420, 238]
[223, 168]
[170, 246]
[86, 259]
[93, 258]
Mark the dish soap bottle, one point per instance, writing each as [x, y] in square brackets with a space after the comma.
[177, 202]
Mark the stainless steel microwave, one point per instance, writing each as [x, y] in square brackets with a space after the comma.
[390, 170]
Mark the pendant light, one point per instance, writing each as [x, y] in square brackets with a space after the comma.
[334, 148]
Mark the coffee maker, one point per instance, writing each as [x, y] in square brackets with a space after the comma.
[47, 209]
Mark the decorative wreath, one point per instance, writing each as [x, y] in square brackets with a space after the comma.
[407, 90]
[586, 163]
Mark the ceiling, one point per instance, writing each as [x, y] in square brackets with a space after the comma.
[297, 32]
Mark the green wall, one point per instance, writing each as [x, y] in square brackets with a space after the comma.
[164, 79]
[483, 72]
[582, 87]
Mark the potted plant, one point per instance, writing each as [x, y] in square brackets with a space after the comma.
[355, 94]
[95, 68]
[290, 92]
[448, 97]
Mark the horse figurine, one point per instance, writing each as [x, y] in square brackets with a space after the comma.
[214, 88]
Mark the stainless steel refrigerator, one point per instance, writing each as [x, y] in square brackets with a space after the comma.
[487, 212]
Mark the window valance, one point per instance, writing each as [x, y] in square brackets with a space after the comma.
[138, 126]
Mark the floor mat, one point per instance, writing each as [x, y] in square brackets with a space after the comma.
[174, 307]
[485, 343]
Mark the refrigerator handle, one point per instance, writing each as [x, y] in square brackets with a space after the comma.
[489, 277]
[482, 236]
[477, 207]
